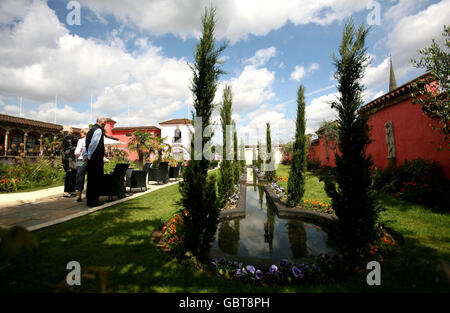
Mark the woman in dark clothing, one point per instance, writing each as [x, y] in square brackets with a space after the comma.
[69, 163]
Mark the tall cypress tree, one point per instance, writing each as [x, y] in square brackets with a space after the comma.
[296, 182]
[242, 155]
[353, 199]
[269, 172]
[226, 166]
[236, 163]
[198, 191]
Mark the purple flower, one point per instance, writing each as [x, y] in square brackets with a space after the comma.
[213, 262]
[259, 274]
[273, 269]
[297, 272]
[283, 263]
[238, 273]
[251, 269]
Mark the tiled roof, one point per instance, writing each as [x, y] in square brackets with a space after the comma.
[176, 121]
[20, 121]
[391, 97]
[135, 128]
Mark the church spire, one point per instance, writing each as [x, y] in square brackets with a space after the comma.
[392, 82]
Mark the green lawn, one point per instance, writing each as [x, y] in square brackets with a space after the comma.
[117, 239]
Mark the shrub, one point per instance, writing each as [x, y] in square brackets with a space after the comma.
[417, 181]
[286, 159]
[313, 164]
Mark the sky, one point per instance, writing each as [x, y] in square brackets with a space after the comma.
[129, 60]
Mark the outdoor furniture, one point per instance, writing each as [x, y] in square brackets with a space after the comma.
[160, 173]
[175, 171]
[114, 183]
[138, 178]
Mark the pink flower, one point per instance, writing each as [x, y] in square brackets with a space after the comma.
[403, 190]
[44, 177]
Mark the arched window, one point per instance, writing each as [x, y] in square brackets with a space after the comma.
[177, 136]
[32, 144]
[16, 145]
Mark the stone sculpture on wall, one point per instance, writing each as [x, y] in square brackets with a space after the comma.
[390, 143]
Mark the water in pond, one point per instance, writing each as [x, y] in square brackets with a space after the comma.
[262, 234]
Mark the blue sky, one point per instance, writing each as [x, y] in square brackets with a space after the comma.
[135, 54]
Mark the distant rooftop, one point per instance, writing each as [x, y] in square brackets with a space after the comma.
[174, 121]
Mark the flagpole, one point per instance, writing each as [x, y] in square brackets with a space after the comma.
[90, 120]
[56, 107]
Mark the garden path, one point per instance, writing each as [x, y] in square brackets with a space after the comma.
[56, 209]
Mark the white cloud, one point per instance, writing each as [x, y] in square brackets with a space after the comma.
[251, 88]
[414, 32]
[262, 56]
[319, 110]
[235, 19]
[300, 71]
[41, 62]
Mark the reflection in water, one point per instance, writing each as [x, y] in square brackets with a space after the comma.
[229, 236]
[297, 239]
[263, 234]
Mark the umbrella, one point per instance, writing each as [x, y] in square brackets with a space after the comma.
[112, 142]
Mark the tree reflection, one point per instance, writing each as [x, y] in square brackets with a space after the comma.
[269, 225]
[229, 233]
[297, 238]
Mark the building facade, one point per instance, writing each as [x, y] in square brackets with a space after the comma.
[25, 137]
[399, 131]
[178, 134]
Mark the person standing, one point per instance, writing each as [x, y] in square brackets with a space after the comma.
[81, 165]
[93, 154]
[69, 161]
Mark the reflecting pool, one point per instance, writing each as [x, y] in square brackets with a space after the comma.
[262, 234]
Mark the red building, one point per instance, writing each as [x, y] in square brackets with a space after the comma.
[410, 135]
[124, 134]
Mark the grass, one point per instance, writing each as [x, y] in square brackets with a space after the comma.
[117, 239]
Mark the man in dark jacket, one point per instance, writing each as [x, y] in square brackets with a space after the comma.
[93, 155]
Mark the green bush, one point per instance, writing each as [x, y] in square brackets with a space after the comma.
[417, 180]
[313, 165]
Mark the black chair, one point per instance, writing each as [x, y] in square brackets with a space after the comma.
[114, 183]
[160, 173]
[175, 171]
[138, 178]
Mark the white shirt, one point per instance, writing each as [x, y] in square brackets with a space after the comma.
[81, 145]
[94, 142]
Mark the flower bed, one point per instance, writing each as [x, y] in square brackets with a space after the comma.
[27, 175]
[323, 269]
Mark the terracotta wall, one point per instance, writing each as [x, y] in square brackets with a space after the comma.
[414, 138]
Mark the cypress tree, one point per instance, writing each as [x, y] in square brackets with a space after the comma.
[236, 163]
[353, 199]
[269, 172]
[242, 155]
[296, 182]
[198, 191]
[226, 166]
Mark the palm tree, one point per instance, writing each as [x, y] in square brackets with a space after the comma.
[160, 146]
[142, 143]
